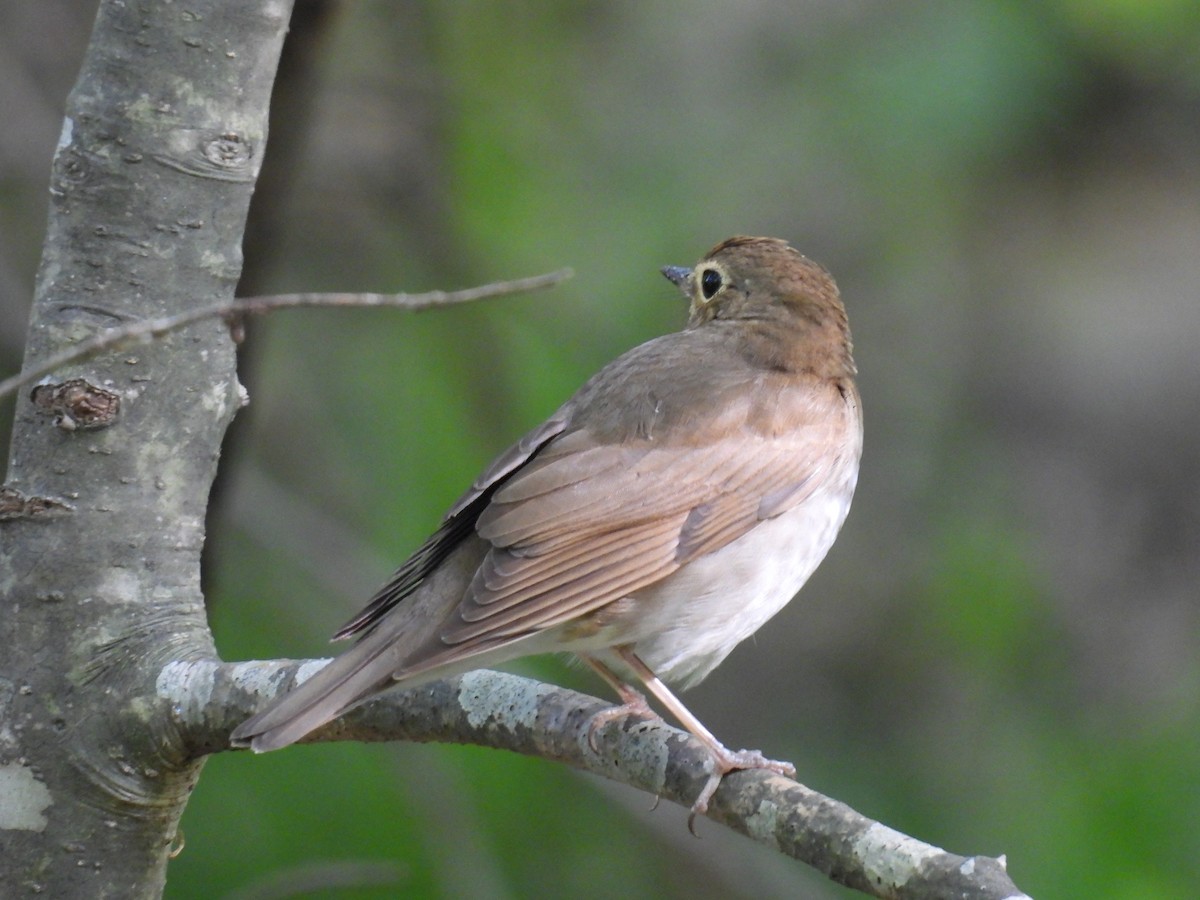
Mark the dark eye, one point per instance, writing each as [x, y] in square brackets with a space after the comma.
[710, 283]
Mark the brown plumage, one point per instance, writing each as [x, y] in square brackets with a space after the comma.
[659, 517]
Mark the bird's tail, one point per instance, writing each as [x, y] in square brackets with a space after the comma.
[362, 670]
[404, 644]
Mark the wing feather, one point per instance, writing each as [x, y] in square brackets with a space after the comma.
[547, 588]
[587, 523]
[590, 517]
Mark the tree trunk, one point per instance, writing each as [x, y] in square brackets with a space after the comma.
[104, 505]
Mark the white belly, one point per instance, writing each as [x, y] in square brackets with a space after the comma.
[696, 616]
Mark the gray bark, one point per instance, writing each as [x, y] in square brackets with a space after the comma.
[495, 709]
[107, 487]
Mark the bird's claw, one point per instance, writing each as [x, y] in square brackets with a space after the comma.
[726, 761]
[634, 704]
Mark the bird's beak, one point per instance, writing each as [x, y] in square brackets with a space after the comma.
[677, 275]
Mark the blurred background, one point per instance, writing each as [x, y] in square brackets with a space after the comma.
[1001, 654]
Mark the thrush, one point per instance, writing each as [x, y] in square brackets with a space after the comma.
[658, 518]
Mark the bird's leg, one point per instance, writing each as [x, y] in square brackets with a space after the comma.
[724, 760]
[632, 702]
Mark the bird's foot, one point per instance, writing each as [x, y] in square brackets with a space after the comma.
[726, 761]
[632, 704]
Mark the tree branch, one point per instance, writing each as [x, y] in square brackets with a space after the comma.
[494, 709]
[150, 329]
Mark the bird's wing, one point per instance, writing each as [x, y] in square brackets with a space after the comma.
[459, 522]
[585, 523]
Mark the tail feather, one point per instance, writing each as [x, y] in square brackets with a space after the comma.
[351, 677]
[403, 644]
[373, 665]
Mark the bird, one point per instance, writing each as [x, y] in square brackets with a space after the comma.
[659, 517]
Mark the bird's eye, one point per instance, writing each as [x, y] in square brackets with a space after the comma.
[710, 283]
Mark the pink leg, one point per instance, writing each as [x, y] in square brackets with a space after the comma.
[633, 703]
[724, 760]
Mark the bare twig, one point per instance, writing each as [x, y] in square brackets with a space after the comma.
[149, 329]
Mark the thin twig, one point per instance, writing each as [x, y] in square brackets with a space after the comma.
[148, 329]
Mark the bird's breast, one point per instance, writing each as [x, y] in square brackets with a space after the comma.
[689, 622]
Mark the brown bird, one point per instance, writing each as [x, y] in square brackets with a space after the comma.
[658, 518]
